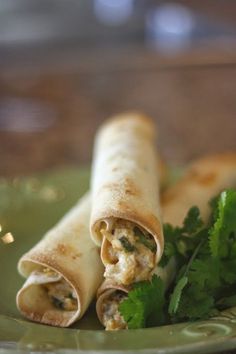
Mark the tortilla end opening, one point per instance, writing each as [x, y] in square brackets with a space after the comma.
[34, 303]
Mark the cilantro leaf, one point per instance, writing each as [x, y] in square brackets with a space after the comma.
[229, 301]
[171, 234]
[224, 223]
[213, 203]
[144, 304]
[182, 281]
[147, 241]
[180, 241]
[176, 295]
[195, 304]
[205, 273]
[192, 222]
[227, 271]
[133, 311]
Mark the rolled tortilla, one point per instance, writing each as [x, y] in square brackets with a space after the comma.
[63, 271]
[111, 294]
[125, 217]
[203, 180]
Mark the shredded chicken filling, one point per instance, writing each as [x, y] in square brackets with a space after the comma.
[112, 319]
[131, 253]
[60, 293]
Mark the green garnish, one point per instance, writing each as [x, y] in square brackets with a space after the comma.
[145, 304]
[213, 269]
[205, 280]
[182, 241]
[126, 244]
[147, 242]
[176, 295]
[224, 224]
[229, 301]
[182, 282]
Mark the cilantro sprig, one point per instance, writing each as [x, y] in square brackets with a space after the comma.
[181, 241]
[144, 305]
[211, 271]
[205, 280]
[224, 224]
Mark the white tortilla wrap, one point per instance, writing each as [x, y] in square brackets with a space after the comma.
[125, 190]
[63, 271]
[203, 180]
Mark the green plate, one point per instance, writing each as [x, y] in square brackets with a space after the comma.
[28, 207]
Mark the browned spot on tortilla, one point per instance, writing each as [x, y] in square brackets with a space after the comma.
[207, 179]
[204, 179]
[128, 185]
[61, 248]
[65, 250]
[131, 188]
[123, 205]
[114, 169]
[76, 255]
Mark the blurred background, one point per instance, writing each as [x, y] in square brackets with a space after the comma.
[66, 65]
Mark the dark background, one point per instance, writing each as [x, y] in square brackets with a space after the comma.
[65, 66]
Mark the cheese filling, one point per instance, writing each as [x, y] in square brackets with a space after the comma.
[112, 319]
[60, 293]
[131, 252]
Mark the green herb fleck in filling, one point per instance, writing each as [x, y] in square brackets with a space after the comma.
[126, 244]
[147, 241]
